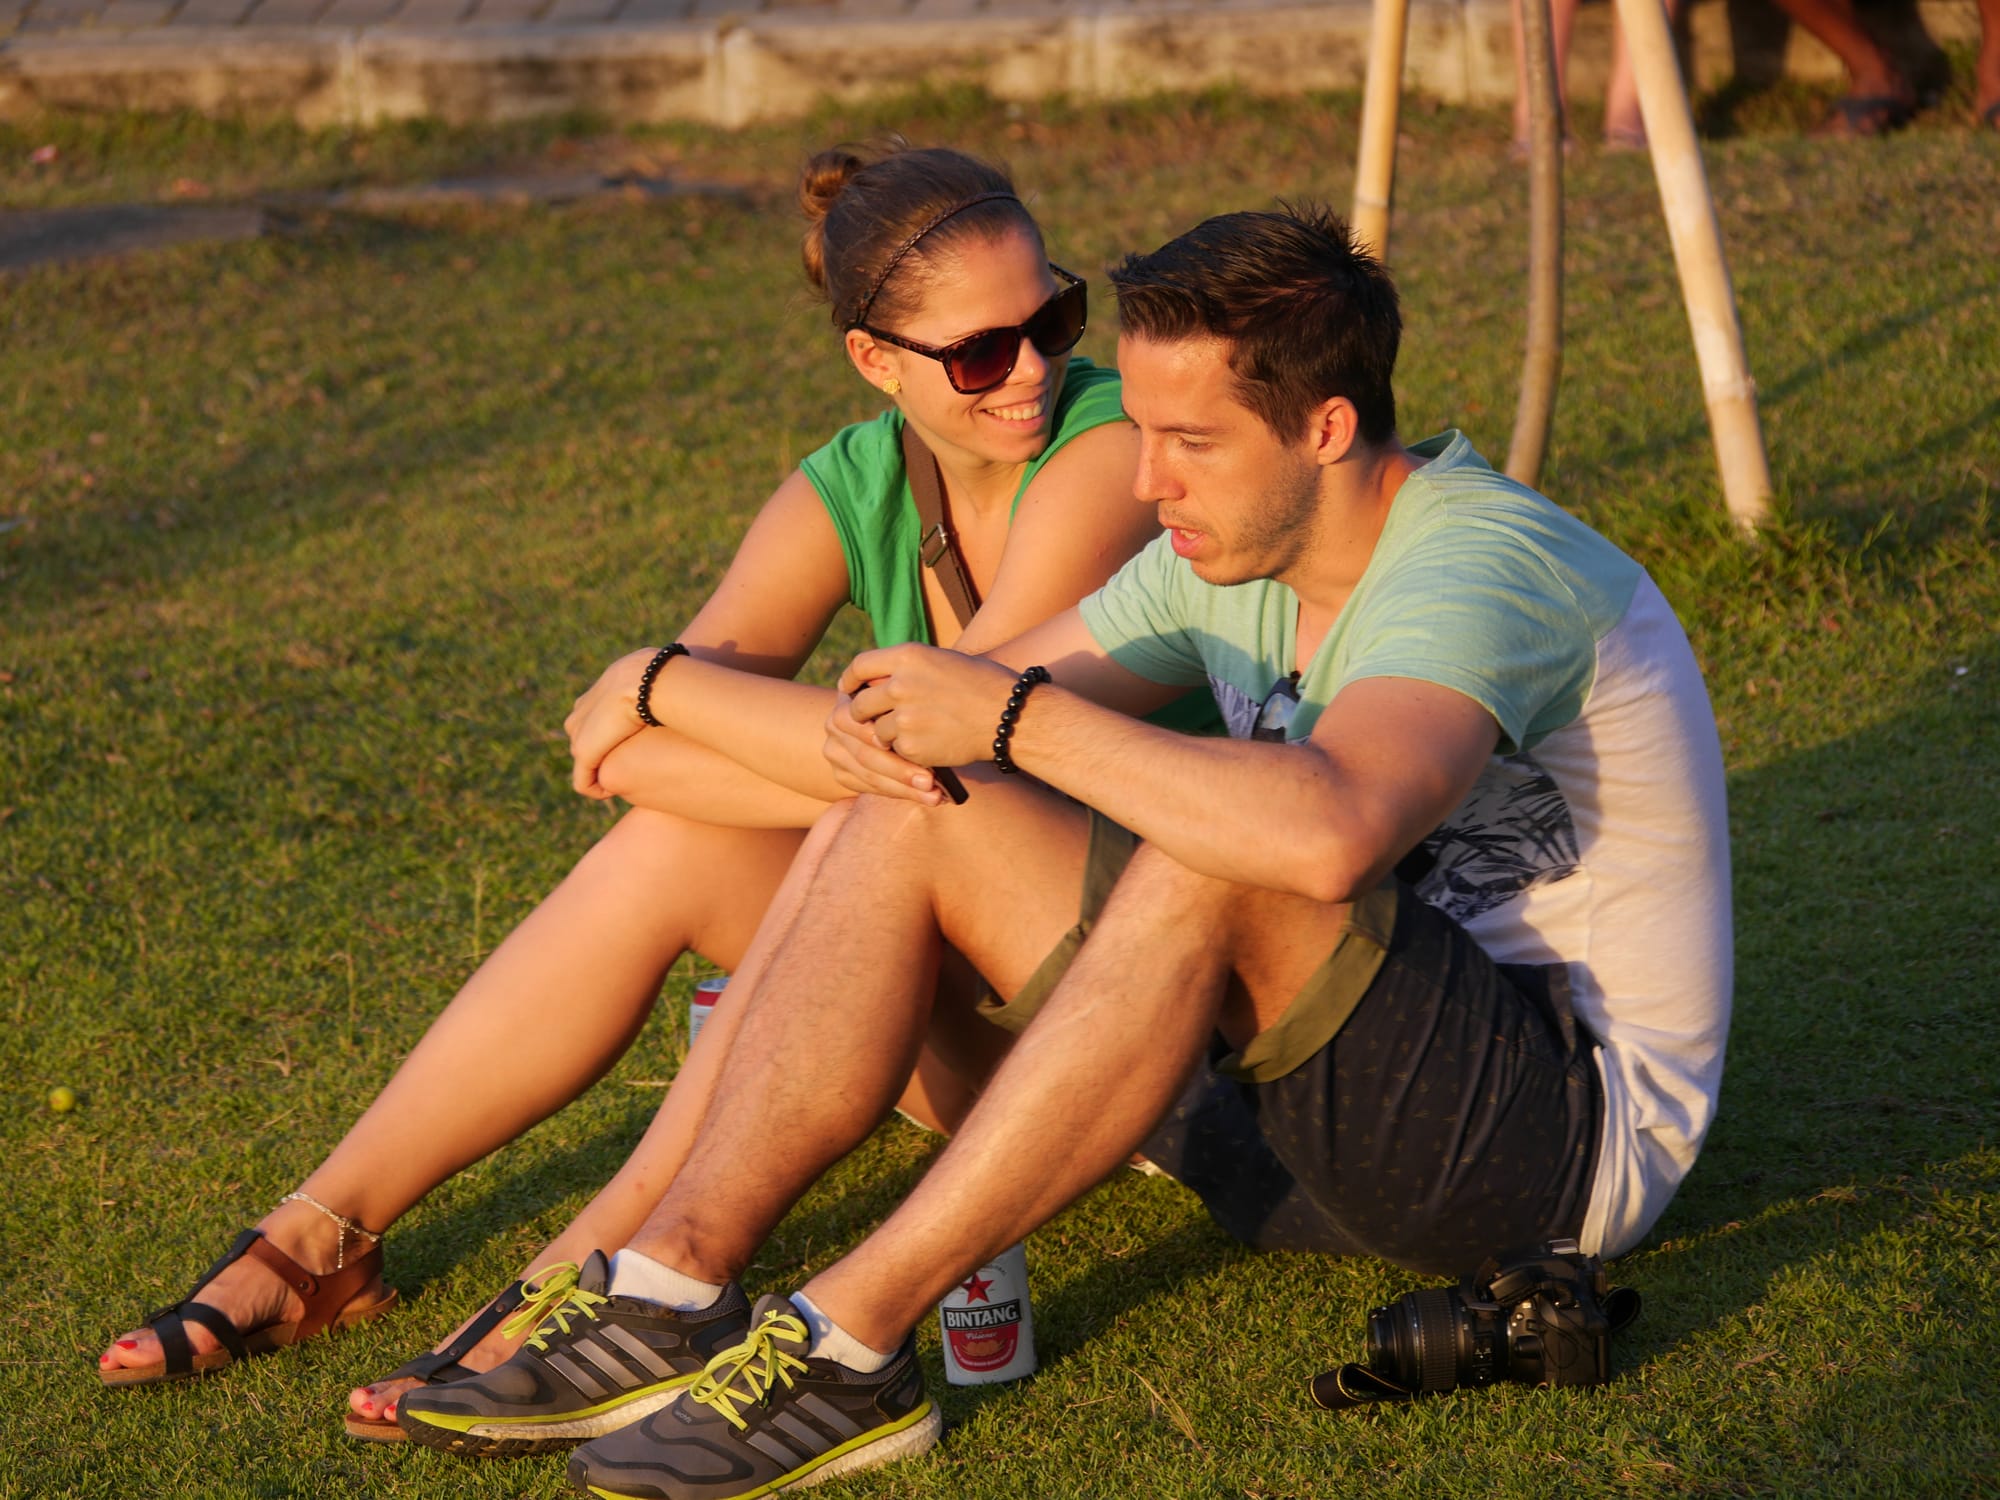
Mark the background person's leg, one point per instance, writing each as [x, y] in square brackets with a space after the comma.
[1562, 22]
[1624, 127]
[1986, 74]
[1879, 97]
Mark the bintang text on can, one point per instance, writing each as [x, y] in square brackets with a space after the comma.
[989, 1326]
[703, 1003]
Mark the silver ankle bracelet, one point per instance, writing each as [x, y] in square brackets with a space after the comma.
[347, 1226]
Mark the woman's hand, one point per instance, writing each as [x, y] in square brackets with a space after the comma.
[862, 764]
[604, 718]
[930, 707]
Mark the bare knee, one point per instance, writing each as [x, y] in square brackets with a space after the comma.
[1171, 886]
[901, 831]
[1241, 921]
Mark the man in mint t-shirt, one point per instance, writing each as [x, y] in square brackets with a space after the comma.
[1430, 959]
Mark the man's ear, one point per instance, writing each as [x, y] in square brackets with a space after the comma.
[1336, 429]
[875, 363]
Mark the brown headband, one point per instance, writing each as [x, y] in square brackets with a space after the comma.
[910, 244]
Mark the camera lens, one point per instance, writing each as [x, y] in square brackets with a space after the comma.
[1414, 1340]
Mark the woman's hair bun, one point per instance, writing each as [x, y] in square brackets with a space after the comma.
[822, 181]
[865, 213]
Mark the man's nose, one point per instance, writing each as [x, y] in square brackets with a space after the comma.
[1151, 483]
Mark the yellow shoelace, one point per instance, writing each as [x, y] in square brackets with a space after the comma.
[550, 1301]
[758, 1362]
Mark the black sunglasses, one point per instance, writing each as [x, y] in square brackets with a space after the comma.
[981, 361]
[1273, 724]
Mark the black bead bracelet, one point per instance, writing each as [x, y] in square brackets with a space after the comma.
[1025, 684]
[644, 705]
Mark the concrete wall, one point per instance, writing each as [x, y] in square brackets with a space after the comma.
[732, 69]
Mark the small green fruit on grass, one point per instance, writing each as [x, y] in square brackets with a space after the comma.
[62, 1101]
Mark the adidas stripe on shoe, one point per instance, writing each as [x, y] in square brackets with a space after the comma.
[594, 1364]
[764, 1417]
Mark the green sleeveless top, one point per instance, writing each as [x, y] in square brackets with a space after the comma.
[863, 485]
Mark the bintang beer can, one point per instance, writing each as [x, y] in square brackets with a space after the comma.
[702, 1005]
[989, 1328]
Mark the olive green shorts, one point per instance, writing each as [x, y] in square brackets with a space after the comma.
[1312, 1019]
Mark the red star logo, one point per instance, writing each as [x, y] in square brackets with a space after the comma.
[975, 1289]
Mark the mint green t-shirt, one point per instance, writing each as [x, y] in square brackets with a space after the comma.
[1477, 583]
[861, 481]
[1595, 838]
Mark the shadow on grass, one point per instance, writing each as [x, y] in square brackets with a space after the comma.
[1798, 397]
[1860, 1090]
[380, 390]
[1863, 343]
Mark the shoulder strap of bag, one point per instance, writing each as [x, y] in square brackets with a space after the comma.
[938, 549]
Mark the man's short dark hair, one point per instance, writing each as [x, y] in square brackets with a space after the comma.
[1308, 315]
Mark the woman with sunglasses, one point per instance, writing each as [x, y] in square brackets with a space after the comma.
[947, 302]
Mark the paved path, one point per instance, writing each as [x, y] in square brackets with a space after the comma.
[730, 62]
[39, 237]
[88, 17]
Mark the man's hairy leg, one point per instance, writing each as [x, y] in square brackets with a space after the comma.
[831, 1028]
[1121, 1032]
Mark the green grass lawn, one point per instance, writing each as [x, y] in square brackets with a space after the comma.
[308, 543]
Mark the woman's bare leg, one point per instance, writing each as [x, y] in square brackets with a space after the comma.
[963, 1051]
[599, 945]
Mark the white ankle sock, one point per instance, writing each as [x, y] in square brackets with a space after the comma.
[831, 1341]
[636, 1275]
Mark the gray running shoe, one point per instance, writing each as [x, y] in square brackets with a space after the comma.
[595, 1363]
[764, 1417]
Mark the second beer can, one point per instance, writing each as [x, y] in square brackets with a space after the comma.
[988, 1324]
[702, 1005]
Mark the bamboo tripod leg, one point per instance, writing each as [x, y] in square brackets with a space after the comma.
[1711, 303]
[1375, 173]
[1541, 364]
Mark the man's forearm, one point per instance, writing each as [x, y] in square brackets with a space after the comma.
[1255, 814]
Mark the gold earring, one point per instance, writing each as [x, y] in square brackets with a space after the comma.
[892, 387]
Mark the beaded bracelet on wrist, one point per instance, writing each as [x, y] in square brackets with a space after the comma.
[1025, 684]
[644, 705]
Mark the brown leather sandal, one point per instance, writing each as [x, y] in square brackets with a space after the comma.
[325, 1294]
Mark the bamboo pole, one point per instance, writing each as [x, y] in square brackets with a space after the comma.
[1375, 173]
[1730, 394]
[1541, 363]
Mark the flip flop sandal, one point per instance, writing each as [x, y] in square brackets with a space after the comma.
[439, 1367]
[325, 1294]
[1861, 115]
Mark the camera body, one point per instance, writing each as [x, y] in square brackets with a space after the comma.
[1542, 1316]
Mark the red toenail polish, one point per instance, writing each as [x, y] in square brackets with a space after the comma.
[128, 1343]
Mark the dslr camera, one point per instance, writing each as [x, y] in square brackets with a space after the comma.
[1542, 1316]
